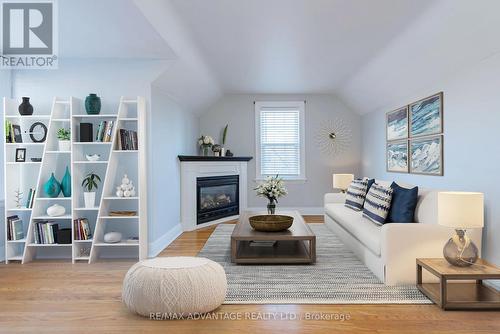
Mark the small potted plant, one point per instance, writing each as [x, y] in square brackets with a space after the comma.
[205, 142]
[272, 189]
[224, 136]
[64, 136]
[89, 183]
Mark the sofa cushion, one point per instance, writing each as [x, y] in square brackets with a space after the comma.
[359, 227]
[403, 204]
[377, 203]
[355, 195]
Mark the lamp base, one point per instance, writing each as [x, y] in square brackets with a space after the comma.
[460, 251]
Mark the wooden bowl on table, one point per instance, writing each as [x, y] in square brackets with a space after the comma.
[270, 223]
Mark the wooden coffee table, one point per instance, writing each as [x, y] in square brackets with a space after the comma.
[295, 245]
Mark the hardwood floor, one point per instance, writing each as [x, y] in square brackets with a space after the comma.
[60, 297]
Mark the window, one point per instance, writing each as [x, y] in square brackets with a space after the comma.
[279, 137]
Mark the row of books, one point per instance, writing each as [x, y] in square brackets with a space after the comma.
[15, 230]
[12, 133]
[31, 199]
[128, 140]
[46, 232]
[82, 229]
[104, 131]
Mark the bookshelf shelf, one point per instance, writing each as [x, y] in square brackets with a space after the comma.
[114, 163]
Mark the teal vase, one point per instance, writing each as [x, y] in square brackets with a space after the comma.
[52, 188]
[93, 104]
[66, 183]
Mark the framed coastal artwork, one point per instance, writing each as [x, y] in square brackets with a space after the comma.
[397, 124]
[426, 116]
[426, 155]
[397, 156]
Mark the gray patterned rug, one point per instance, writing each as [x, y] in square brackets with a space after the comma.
[338, 277]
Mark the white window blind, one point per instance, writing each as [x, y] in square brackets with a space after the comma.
[280, 139]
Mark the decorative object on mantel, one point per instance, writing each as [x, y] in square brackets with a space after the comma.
[200, 158]
[228, 154]
[112, 237]
[38, 132]
[217, 150]
[64, 137]
[334, 137]
[224, 137]
[89, 183]
[270, 223]
[25, 108]
[272, 189]
[66, 183]
[93, 104]
[56, 210]
[18, 197]
[461, 211]
[205, 143]
[92, 157]
[52, 187]
[126, 189]
[342, 181]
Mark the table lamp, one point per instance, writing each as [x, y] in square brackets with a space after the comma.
[342, 181]
[460, 210]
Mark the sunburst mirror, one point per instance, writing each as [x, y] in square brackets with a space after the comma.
[334, 137]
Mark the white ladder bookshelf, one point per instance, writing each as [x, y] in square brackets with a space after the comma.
[69, 113]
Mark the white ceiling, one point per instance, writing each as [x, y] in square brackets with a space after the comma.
[292, 46]
[108, 29]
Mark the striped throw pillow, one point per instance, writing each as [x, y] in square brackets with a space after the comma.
[355, 195]
[377, 203]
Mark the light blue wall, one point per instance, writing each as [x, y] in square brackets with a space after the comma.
[471, 142]
[173, 131]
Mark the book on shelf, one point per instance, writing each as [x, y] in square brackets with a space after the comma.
[104, 131]
[12, 133]
[128, 140]
[15, 229]
[82, 229]
[30, 199]
[45, 232]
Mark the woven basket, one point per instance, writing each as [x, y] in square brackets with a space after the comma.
[270, 223]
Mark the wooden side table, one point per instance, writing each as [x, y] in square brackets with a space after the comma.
[460, 296]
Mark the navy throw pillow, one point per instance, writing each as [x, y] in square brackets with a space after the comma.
[404, 202]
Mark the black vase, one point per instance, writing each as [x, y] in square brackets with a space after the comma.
[25, 108]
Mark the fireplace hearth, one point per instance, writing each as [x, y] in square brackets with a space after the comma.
[217, 197]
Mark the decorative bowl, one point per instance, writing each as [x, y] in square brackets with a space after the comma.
[93, 157]
[270, 223]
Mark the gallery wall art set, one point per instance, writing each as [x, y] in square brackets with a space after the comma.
[414, 136]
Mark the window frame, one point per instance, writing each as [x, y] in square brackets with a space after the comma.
[300, 106]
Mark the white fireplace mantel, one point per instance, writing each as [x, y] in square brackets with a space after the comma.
[193, 167]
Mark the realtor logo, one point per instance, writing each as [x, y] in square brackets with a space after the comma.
[29, 39]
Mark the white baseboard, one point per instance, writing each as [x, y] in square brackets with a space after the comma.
[2, 253]
[304, 210]
[162, 242]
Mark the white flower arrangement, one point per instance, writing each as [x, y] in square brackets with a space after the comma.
[205, 141]
[272, 189]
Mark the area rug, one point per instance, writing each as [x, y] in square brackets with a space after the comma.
[338, 277]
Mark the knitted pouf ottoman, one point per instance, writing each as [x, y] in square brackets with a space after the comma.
[170, 287]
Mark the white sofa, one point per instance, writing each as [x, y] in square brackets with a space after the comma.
[390, 250]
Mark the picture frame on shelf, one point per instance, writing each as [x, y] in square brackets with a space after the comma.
[20, 155]
[397, 124]
[397, 156]
[426, 155]
[18, 137]
[426, 116]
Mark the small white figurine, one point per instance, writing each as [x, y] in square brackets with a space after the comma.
[126, 189]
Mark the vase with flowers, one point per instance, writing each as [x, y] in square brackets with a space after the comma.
[205, 143]
[272, 189]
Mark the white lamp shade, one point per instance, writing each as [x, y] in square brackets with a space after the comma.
[461, 210]
[342, 181]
